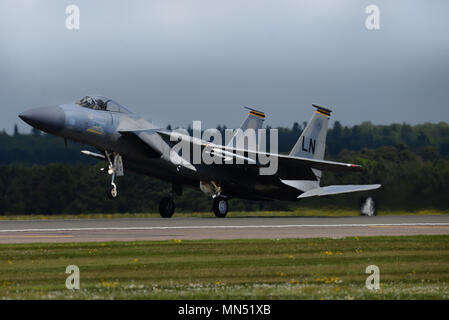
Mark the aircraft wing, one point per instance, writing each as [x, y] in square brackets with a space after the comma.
[330, 190]
[133, 124]
[251, 157]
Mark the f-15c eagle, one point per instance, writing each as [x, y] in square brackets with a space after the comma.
[127, 141]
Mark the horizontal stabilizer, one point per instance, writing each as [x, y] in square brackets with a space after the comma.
[329, 190]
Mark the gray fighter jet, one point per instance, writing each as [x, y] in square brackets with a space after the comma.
[127, 141]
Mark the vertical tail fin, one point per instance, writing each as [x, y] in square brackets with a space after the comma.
[254, 122]
[312, 142]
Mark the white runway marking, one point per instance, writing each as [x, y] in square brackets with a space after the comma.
[229, 227]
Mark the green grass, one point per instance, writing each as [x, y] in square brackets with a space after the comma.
[305, 212]
[410, 268]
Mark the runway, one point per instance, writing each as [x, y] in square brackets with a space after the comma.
[134, 229]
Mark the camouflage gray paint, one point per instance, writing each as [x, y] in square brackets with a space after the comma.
[147, 149]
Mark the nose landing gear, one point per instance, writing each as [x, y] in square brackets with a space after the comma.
[114, 170]
[112, 193]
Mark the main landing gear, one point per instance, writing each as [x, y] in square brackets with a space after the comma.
[167, 207]
[220, 202]
[167, 204]
[220, 207]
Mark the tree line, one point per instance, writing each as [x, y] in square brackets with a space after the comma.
[39, 175]
[39, 148]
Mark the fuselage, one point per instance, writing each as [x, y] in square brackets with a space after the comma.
[104, 128]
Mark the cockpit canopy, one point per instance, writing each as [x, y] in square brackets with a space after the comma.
[101, 103]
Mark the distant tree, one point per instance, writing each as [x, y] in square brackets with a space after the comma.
[296, 127]
[335, 138]
[16, 129]
[430, 153]
[406, 133]
[338, 130]
[444, 149]
[423, 140]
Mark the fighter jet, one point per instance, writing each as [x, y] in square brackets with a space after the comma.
[125, 140]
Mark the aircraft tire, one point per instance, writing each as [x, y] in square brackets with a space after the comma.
[112, 193]
[167, 207]
[220, 207]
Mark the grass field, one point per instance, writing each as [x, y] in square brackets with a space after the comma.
[410, 268]
[306, 212]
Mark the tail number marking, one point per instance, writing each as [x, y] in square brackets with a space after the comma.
[311, 148]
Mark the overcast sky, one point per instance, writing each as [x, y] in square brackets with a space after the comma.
[175, 61]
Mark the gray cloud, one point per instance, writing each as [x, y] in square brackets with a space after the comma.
[180, 60]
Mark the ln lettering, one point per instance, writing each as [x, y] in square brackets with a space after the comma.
[311, 148]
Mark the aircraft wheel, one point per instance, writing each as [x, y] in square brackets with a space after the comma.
[112, 193]
[167, 207]
[220, 207]
[368, 206]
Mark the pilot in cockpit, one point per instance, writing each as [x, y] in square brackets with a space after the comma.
[101, 104]
[87, 102]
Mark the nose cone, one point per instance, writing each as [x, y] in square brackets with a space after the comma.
[48, 119]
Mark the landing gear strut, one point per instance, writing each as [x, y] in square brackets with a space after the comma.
[220, 207]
